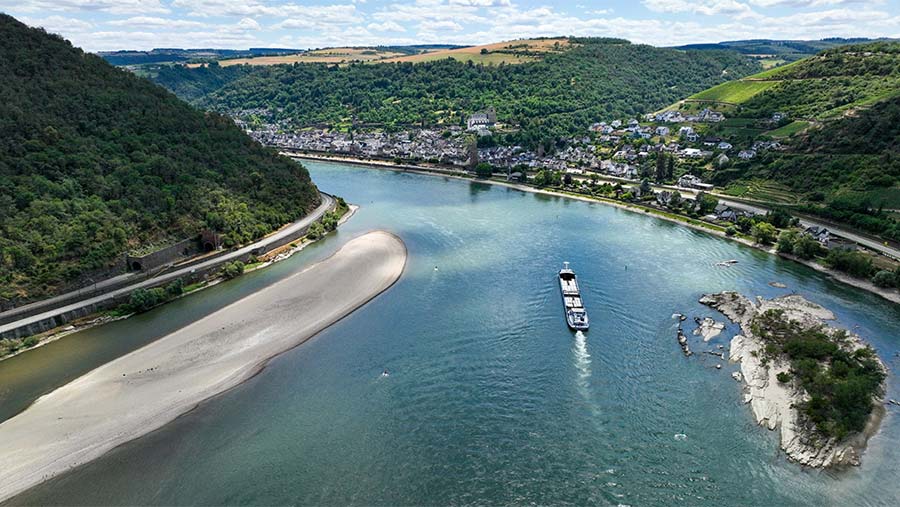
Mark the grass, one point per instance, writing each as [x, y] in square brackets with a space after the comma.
[789, 129]
[734, 92]
[762, 190]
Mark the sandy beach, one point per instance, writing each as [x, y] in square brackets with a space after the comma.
[151, 386]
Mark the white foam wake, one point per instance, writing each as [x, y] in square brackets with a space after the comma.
[582, 359]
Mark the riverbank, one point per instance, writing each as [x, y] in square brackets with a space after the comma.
[99, 318]
[151, 386]
[772, 385]
[888, 294]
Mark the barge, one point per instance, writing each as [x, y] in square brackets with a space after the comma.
[576, 315]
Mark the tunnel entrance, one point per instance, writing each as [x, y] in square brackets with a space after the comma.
[208, 246]
[136, 266]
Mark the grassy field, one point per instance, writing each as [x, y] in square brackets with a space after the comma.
[789, 129]
[733, 92]
[511, 52]
[762, 190]
[330, 55]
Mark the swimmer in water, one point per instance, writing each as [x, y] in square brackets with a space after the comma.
[385, 373]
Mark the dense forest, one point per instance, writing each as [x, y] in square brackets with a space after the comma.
[557, 96]
[95, 162]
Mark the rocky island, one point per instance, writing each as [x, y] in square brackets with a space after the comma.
[819, 385]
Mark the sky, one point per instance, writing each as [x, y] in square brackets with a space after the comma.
[102, 25]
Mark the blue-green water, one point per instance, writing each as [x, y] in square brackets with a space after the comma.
[491, 400]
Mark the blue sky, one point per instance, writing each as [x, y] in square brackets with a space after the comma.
[98, 25]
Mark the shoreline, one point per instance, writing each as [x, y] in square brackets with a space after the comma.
[865, 285]
[153, 385]
[100, 318]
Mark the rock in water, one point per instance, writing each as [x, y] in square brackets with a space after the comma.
[709, 329]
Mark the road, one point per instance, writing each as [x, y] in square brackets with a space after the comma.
[327, 202]
[806, 221]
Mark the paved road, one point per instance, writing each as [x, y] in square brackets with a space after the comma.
[327, 202]
[806, 221]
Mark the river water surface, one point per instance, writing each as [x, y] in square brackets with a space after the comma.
[490, 400]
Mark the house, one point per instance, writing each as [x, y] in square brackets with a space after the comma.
[616, 124]
[722, 160]
[664, 197]
[692, 137]
[820, 234]
[711, 141]
[662, 131]
[692, 153]
[691, 181]
[724, 146]
[683, 131]
[746, 154]
[482, 119]
[632, 123]
[776, 117]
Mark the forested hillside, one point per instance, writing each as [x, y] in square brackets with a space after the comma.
[95, 161]
[559, 95]
[846, 169]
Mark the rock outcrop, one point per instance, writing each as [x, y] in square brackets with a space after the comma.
[773, 402]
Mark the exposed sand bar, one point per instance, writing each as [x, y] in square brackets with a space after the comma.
[151, 386]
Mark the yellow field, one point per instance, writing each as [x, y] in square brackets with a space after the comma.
[330, 55]
[500, 52]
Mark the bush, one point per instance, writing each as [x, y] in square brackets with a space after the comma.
[853, 263]
[232, 270]
[730, 231]
[484, 170]
[786, 242]
[884, 279]
[316, 231]
[763, 233]
[784, 377]
[806, 247]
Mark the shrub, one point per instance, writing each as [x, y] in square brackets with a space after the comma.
[884, 279]
[232, 270]
[763, 233]
[730, 231]
[784, 377]
[853, 263]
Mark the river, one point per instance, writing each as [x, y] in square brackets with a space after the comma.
[490, 400]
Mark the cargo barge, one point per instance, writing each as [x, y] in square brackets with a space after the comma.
[576, 315]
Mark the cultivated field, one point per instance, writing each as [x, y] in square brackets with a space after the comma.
[734, 92]
[330, 55]
[510, 52]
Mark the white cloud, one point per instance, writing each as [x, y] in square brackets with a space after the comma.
[705, 7]
[387, 26]
[440, 26]
[107, 6]
[58, 24]
[149, 22]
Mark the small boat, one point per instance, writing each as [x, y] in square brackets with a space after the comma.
[576, 315]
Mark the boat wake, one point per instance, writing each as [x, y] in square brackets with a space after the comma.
[582, 359]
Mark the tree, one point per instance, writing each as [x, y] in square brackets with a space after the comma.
[645, 187]
[763, 233]
[676, 200]
[786, 242]
[484, 170]
[884, 279]
[706, 203]
[807, 247]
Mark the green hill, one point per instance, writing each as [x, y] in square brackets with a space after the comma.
[95, 162]
[559, 95]
[816, 88]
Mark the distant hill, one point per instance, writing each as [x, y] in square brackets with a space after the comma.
[557, 95]
[776, 52]
[171, 55]
[95, 162]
